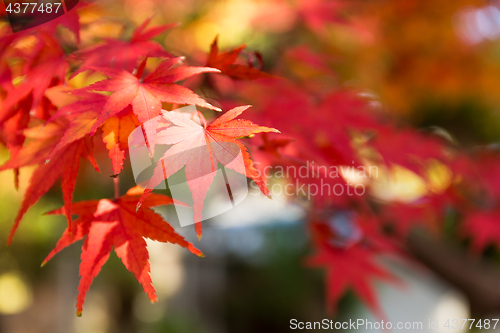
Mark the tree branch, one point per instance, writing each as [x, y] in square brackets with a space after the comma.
[478, 279]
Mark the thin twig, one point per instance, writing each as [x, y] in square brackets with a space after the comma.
[116, 181]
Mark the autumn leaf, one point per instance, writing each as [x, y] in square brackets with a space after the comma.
[115, 133]
[47, 62]
[404, 217]
[398, 148]
[86, 102]
[12, 130]
[272, 146]
[59, 142]
[336, 108]
[124, 54]
[318, 13]
[43, 140]
[200, 149]
[349, 268]
[70, 20]
[225, 61]
[145, 95]
[64, 164]
[22, 102]
[483, 229]
[84, 114]
[116, 223]
[75, 129]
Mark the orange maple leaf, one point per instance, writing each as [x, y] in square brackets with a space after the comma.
[115, 133]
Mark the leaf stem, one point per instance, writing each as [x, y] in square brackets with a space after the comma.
[202, 118]
[116, 181]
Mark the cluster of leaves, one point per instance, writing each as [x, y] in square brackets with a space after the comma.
[47, 122]
[54, 133]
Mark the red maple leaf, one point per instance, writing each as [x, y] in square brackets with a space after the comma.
[398, 147]
[57, 148]
[349, 268]
[483, 228]
[47, 63]
[200, 149]
[145, 95]
[84, 114]
[86, 102]
[116, 223]
[327, 132]
[226, 62]
[12, 132]
[124, 54]
[272, 146]
[70, 20]
[346, 245]
[317, 13]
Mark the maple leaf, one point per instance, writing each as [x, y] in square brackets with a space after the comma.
[272, 146]
[481, 175]
[47, 62]
[317, 13]
[483, 228]
[75, 129]
[346, 244]
[84, 114]
[86, 102]
[397, 147]
[145, 95]
[351, 268]
[115, 130]
[27, 99]
[200, 149]
[426, 213]
[116, 223]
[327, 132]
[70, 20]
[44, 138]
[57, 148]
[121, 54]
[12, 132]
[225, 61]
[115, 133]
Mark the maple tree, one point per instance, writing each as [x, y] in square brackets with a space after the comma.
[64, 88]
